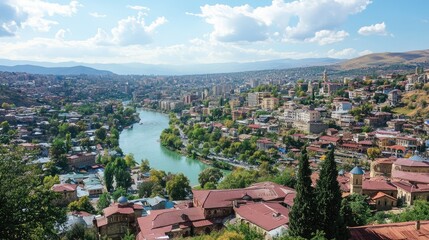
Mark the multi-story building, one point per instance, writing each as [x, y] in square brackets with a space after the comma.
[255, 99]
[118, 219]
[270, 103]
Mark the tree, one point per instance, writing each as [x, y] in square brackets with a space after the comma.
[79, 232]
[26, 209]
[302, 218]
[5, 127]
[239, 178]
[58, 147]
[129, 160]
[209, 175]
[144, 166]
[123, 178]
[358, 208]
[101, 133]
[373, 152]
[328, 196]
[145, 188]
[178, 187]
[49, 181]
[68, 143]
[119, 192]
[108, 176]
[158, 177]
[103, 201]
[83, 204]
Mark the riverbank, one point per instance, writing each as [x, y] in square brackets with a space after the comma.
[143, 142]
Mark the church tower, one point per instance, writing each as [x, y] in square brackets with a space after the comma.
[356, 178]
[325, 76]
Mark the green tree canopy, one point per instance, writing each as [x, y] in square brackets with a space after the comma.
[328, 197]
[302, 218]
[178, 187]
[26, 209]
[209, 175]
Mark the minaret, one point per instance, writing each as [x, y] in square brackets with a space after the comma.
[356, 178]
[325, 76]
[310, 87]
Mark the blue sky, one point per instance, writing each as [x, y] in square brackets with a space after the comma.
[197, 31]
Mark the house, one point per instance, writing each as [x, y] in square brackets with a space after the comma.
[211, 208]
[68, 192]
[403, 230]
[269, 218]
[118, 219]
[264, 144]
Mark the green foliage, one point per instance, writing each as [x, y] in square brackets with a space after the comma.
[49, 181]
[239, 178]
[328, 197]
[302, 219]
[246, 231]
[101, 133]
[170, 139]
[358, 208]
[82, 204]
[418, 211]
[129, 160]
[119, 192]
[145, 166]
[79, 232]
[26, 209]
[103, 201]
[117, 170]
[145, 188]
[178, 187]
[212, 175]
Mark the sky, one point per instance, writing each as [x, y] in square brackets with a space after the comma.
[206, 31]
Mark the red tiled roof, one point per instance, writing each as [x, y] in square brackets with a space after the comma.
[411, 176]
[412, 187]
[404, 230]
[121, 209]
[411, 163]
[381, 195]
[329, 139]
[223, 198]
[64, 187]
[378, 185]
[266, 215]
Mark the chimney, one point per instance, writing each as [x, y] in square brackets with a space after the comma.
[418, 225]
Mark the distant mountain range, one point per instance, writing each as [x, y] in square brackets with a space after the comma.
[75, 70]
[380, 60]
[70, 68]
[371, 61]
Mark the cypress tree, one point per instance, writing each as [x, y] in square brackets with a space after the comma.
[302, 222]
[328, 196]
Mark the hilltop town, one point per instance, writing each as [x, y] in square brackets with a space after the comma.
[259, 126]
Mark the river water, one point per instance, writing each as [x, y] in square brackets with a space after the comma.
[143, 141]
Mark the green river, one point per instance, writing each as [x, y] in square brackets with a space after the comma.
[143, 141]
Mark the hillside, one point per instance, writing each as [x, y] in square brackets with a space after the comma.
[380, 60]
[76, 70]
[12, 96]
[414, 102]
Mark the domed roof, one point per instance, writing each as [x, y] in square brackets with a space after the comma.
[122, 200]
[417, 157]
[357, 171]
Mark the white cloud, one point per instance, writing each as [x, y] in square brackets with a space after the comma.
[245, 23]
[344, 53]
[324, 37]
[132, 30]
[60, 34]
[365, 52]
[375, 29]
[33, 14]
[138, 8]
[97, 15]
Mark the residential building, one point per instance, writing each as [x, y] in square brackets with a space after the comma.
[118, 219]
